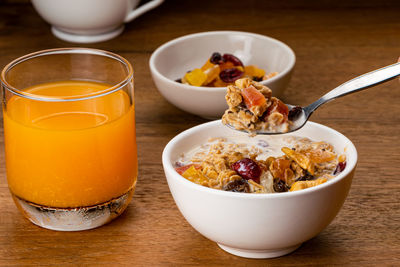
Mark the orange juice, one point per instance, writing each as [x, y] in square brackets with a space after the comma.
[71, 153]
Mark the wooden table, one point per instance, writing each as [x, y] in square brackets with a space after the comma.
[333, 42]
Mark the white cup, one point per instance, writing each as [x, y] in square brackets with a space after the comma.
[89, 21]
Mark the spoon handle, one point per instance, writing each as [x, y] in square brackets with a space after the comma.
[359, 83]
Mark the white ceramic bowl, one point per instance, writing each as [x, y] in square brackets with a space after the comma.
[173, 59]
[258, 225]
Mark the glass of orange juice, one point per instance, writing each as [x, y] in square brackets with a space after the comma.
[70, 142]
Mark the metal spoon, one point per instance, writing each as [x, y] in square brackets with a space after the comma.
[357, 84]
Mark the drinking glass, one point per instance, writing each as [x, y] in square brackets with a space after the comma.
[69, 132]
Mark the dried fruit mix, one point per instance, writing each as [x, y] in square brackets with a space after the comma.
[222, 70]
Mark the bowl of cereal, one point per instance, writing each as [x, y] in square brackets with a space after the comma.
[192, 71]
[259, 197]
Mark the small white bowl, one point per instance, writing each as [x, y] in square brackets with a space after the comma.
[173, 59]
[258, 225]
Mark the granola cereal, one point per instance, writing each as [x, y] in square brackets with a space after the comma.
[253, 108]
[269, 165]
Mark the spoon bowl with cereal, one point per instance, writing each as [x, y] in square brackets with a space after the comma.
[252, 108]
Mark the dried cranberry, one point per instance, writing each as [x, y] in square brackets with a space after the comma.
[233, 59]
[294, 113]
[230, 75]
[215, 58]
[280, 186]
[240, 185]
[247, 169]
[340, 167]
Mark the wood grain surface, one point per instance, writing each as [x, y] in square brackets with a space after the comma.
[333, 42]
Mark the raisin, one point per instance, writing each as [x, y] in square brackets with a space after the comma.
[233, 59]
[306, 177]
[340, 167]
[280, 186]
[242, 106]
[237, 186]
[258, 79]
[215, 58]
[247, 169]
[178, 80]
[230, 75]
[295, 112]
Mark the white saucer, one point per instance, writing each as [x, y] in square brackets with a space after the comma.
[77, 38]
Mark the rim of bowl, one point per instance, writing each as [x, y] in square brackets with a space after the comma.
[172, 42]
[168, 167]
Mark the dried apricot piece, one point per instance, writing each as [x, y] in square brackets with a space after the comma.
[194, 175]
[226, 65]
[196, 77]
[219, 83]
[212, 74]
[207, 65]
[252, 97]
[253, 71]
